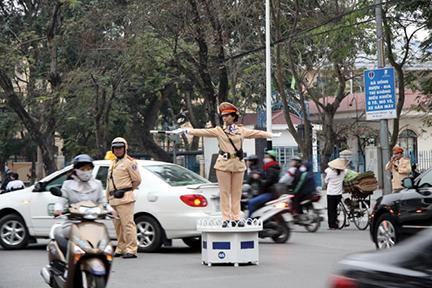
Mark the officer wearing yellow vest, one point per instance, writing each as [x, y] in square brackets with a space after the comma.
[123, 179]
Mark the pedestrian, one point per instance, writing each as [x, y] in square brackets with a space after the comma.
[229, 166]
[123, 178]
[335, 174]
[399, 167]
[270, 176]
[14, 182]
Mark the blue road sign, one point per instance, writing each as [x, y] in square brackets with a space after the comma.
[380, 94]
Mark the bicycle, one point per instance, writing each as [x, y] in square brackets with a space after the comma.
[355, 210]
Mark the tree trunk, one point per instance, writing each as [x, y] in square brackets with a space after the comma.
[330, 139]
[45, 141]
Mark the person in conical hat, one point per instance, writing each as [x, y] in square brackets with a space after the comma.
[334, 178]
[338, 163]
[229, 166]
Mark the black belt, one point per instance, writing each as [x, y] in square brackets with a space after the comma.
[227, 155]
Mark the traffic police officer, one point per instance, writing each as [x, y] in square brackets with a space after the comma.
[123, 179]
[229, 165]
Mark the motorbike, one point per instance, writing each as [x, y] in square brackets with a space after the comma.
[311, 217]
[80, 253]
[271, 215]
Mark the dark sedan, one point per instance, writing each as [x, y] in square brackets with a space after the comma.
[408, 265]
[399, 215]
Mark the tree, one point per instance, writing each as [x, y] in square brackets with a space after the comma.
[335, 36]
[29, 72]
[401, 23]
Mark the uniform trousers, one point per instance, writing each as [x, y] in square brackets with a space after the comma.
[125, 229]
[230, 185]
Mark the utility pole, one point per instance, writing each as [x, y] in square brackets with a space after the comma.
[268, 73]
[384, 131]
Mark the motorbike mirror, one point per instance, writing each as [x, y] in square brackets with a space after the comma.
[39, 187]
[56, 191]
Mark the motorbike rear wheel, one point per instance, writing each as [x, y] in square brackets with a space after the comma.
[312, 214]
[284, 231]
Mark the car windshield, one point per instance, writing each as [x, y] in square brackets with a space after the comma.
[176, 175]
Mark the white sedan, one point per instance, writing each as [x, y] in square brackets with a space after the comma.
[170, 200]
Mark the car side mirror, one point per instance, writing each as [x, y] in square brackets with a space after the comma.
[56, 191]
[408, 183]
[39, 187]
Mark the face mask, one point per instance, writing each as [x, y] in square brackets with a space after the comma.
[267, 160]
[84, 176]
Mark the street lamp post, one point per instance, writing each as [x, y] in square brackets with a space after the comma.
[268, 72]
[384, 138]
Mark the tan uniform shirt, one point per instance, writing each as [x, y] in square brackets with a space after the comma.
[400, 170]
[125, 174]
[233, 164]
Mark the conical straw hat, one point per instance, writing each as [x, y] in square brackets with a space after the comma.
[338, 163]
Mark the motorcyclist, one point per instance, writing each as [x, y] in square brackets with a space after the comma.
[269, 177]
[81, 186]
[301, 179]
[252, 169]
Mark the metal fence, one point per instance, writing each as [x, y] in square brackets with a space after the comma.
[424, 160]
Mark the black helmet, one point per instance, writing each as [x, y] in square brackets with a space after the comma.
[82, 160]
[251, 157]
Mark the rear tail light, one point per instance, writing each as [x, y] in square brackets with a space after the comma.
[194, 200]
[342, 282]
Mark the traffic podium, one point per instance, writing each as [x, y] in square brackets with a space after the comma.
[235, 245]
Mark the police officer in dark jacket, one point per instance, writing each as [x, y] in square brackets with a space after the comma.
[269, 177]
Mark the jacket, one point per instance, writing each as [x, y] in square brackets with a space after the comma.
[399, 169]
[232, 164]
[75, 190]
[271, 176]
[123, 174]
[304, 181]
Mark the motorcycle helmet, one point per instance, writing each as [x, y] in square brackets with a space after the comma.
[271, 153]
[297, 158]
[81, 160]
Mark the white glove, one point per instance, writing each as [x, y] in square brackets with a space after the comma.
[178, 131]
[276, 135]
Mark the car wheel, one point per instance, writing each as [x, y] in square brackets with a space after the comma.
[149, 234]
[13, 232]
[193, 242]
[386, 232]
